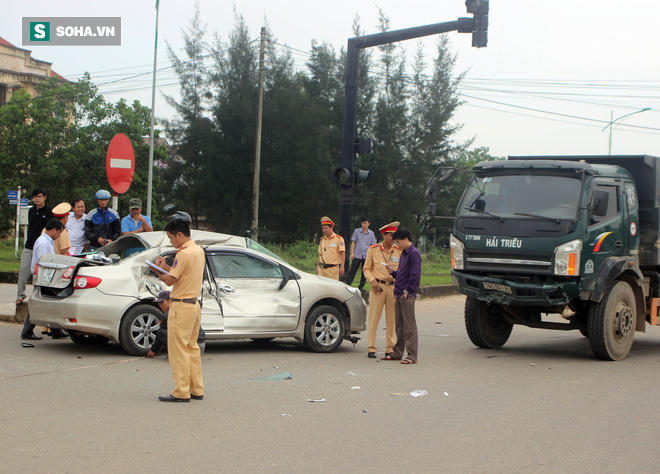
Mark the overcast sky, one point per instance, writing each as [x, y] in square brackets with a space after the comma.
[553, 74]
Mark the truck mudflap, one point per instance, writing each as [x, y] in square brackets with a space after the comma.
[503, 291]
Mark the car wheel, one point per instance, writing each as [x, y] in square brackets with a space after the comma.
[87, 339]
[138, 329]
[324, 329]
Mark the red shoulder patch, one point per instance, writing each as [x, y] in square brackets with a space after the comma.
[374, 245]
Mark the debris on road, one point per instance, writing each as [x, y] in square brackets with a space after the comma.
[418, 393]
[282, 376]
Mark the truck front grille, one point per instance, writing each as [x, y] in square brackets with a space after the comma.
[487, 261]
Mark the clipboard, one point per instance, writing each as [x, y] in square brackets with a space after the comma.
[156, 267]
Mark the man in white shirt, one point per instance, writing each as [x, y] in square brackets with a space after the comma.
[76, 228]
[43, 246]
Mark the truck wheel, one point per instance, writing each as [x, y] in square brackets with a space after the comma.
[612, 323]
[484, 326]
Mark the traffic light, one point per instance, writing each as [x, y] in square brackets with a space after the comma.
[361, 176]
[479, 8]
[343, 176]
[362, 147]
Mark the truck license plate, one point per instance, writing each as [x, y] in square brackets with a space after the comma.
[497, 287]
[46, 276]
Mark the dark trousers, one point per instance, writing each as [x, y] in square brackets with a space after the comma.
[355, 264]
[406, 328]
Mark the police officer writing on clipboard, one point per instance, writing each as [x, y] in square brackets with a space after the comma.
[185, 275]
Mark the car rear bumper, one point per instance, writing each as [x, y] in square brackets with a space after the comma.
[87, 311]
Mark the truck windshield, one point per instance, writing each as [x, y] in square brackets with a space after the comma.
[529, 196]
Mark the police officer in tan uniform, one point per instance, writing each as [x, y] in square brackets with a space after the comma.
[62, 244]
[332, 251]
[381, 294]
[186, 274]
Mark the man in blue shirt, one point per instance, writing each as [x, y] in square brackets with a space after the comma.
[135, 222]
[405, 292]
[362, 239]
[43, 246]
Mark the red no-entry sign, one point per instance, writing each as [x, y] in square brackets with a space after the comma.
[120, 163]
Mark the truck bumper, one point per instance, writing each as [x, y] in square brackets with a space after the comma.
[503, 291]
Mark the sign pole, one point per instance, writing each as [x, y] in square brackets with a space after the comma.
[18, 216]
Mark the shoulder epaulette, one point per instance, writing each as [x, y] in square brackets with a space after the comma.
[373, 246]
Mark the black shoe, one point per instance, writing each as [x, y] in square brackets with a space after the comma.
[196, 397]
[371, 355]
[31, 337]
[172, 398]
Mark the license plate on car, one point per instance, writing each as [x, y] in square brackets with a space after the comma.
[497, 287]
[46, 276]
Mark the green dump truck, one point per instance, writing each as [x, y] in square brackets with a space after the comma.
[536, 236]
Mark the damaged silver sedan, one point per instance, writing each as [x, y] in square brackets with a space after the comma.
[248, 292]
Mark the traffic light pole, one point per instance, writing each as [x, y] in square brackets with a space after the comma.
[463, 25]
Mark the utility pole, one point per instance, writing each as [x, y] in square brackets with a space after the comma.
[254, 231]
[153, 114]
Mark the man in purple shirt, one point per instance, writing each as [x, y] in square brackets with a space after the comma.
[362, 239]
[405, 292]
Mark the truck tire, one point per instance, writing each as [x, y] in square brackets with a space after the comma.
[612, 323]
[484, 326]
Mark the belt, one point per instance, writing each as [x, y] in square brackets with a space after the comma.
[328, 265]
[185, 300]
[385, 282]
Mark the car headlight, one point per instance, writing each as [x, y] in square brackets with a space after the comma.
[567, 258]
[457, 250]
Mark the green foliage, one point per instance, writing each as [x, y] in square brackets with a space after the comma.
[58, 140]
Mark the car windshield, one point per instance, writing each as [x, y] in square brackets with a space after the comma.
[523, 196]
[251, 244]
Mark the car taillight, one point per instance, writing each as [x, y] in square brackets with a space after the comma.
[84, 282]
[67, 273]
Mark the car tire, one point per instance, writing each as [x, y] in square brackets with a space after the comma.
[138, 329]
[324, 329]
[87, 339]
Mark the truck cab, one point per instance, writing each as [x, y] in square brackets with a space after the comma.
[540, 235]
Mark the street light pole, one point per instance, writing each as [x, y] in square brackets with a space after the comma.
[619, 119]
